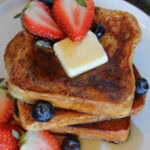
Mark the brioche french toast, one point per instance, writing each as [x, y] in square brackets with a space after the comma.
[67, 117]
[115, 130]
[34, 75]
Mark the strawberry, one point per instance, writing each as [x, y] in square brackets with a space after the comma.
[11, 126]
[9, 136]
[40, 140]
[74, 19]
[6, 106]
[37, 18]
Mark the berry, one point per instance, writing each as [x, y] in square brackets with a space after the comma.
[9, 136]
[49, 3]
[6, 106]
[46, 45]
[37, 19]
[71, 142]
[141, 86]
[11, 126]
[99, 30]
[42, 111]
[74, 19]
[40, 140]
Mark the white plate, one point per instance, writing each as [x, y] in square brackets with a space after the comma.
[140, 131]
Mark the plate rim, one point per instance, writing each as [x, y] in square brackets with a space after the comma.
[142, 17]
[145, 23]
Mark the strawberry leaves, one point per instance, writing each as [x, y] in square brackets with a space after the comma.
[1, 80]
[17, 15]
[22, 139]
[82, 3]
[3, 86]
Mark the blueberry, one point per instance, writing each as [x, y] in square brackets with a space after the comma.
[141, 86]
[42, 111]
[99, 30]
[71, 142]
[49, 3]
[46, 45]
[16, 108]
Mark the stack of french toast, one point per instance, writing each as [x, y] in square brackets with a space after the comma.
[96, 104]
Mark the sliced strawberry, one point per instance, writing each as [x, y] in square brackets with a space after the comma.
[9, 136]
[11, 126]
[41, 140]
[74, 19]
[6, 106]
[38, 20]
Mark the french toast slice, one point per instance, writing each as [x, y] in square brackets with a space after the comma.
[115, 130]
[67, 117]
[64, 117]
[107, 89]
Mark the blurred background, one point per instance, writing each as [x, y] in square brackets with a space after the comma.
[142, 4]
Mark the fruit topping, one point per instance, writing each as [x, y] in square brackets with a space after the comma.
[142, 86]
[9, 136]
[37, 18]
[42, 111]
[73, 18]
[99, 30]
[6, 106]
[49, 3]
[45, 44]
[71, 142]
[41, 140]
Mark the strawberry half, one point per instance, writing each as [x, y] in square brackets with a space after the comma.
[38, 20]
[9, 136]
[11, 126]
[6, 106]
[74, 19]
[40, 140]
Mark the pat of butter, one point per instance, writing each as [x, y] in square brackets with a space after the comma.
[77, 58]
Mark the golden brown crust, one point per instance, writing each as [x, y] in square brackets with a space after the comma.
[64, 117]
[35, 75]
[115, 130]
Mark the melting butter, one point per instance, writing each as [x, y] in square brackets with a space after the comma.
[77, 58]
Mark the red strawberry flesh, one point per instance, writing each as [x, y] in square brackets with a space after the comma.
[7, 139]
[6, 106]
[74, 19]
[38, 20]
[40, 140]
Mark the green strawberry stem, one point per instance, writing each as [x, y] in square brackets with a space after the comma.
[1, 80]
[82, 3]
[22, 138]
[24, 9]
[3, 87]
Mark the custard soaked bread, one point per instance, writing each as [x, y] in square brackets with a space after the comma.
[67, 117]
[64, 117]
[115, 130]
[34, 75]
